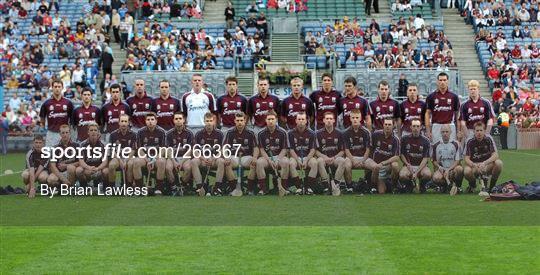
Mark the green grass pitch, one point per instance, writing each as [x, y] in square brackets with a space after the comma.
[386, 234]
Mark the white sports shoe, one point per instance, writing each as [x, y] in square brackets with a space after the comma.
[157, 193]
[298, 191]
[309, 191]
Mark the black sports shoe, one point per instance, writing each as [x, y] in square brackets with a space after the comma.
[19, 191]
[2, 191]
[10, 190]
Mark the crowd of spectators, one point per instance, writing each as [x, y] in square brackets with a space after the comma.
[291, 6]
[497, 13]
[405, 5]
[170, 9]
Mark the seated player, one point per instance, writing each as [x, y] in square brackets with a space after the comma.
[208, 135]
[127, 139]
[384, 161]
[179, 136]
[302, 143]
[446, 157]
[247, 154]
[95, 169]
[482, 159]
[62, 171]
[330, 151]
[273, 152]
[415, 156]
[150, 136]
[36, 167]
[357, 143]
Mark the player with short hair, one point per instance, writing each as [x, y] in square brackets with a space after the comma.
[165, 106]
[352, 101]
[295, 104]
[446, 157]
[230, 104]
[415, 156]
[36, 166]
[112, 110]
[211, 136]
[411, 109]
[140, 105]
[260, 104]
[150, 136]
[325, 100]
[179, 136]
[85, 115]
[93, 168]
[302, 145]
[357, 144]
[330, 151]
[127, 138]
[272, 152]
[384, 107]
[55, 111]
[442, 108]
[475, 109]
[482, 159]
[63, 170]
[196, 103]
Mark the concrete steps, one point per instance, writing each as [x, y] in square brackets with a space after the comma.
[285, 47]
[245, 83]
[214, 11]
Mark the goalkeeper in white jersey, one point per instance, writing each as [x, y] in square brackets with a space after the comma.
[446, 156]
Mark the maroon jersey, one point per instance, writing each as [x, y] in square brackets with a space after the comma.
[65, 159]
[203, 137]
[357, 141]
[175, 137]
[325, 102]
[147, 138]
[128, 139]
[82, 117]
[442, 106]
[165, 109]
[415, 148]
[139, 108]
[381, 110]
[110, 113]
[480, 151]
[302, 142]
[228, 106]
[291, 106]
[93, 146]
[472, 112]
[246, 139]
[56, 112]
[329, 143]
[382, 147]
[410, 111]
[259, 106]
[272, 143]
[34, 160]
[347, 104]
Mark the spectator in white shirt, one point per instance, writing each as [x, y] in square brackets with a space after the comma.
[419, 22]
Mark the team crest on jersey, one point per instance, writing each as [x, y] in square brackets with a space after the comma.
[421, 148]
[64, 107]
[277, 140]
[436, 101]
[391, 108]
[258, 105]
[469, 110]
[335, 140]
[419, 110]
[110, 113]
[476, 149]
[344, 106]
[234, 140]
[334, 99]
[171, 106]
[303, 106]
[271, 104]
[307, 140]
[245, 141]
[156, 140]
[408, 146]
[323, 141]
[267, 141]
[361, 139]
[390, 147]
[290, 106]
[51, 108]
[449, 101]
[320, 100]
[134, 106]
[225, 104]
[147, 106]
[215, 141]
[158, 107]
[145, 140]
[406, 110]
[238, 104]
[481, 109]
[80, 115]
[357, 105]
[121, 112]
[93, 115]
[378, 143]
[184, 140]
[378, 109]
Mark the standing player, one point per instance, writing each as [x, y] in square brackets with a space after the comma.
[325, 100]
[85, 115]
[415, 156]
[384, 107]
[384, 157]
[112, 110]
[272, 152]
[411, 109]
[179, 136]
[482, 159]
[446, 156]
[56, 111]
[330, 150]
[475, 109]
[93, 168]
[357, 143]
[260, 105]
[127, 139]
[165, 106]
[63, 170]
[36, 167]
[442, 108]
[247, 154]
[151, 136]
[140, 104]
[352, 101]
[212, 137]
[295, 104]
[196, 103]
[302, 144]
[230, 104]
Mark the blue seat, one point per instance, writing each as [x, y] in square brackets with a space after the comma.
[321, 62]
[228, 63]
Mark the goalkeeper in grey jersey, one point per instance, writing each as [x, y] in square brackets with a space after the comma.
[446, 158]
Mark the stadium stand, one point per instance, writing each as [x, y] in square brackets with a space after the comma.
[303, 9]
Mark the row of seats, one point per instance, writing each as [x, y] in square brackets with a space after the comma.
[424, 10]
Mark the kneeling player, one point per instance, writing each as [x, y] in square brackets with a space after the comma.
[63, 170]
[357, 143]
[273, 152]
[302, 143]
[93, 168]
[415, 156]
[247, 154]
[127, 139]
[446, 157]
[384, 157]
[179, 136]
[330, 152]
[482, 159]
[36, 167]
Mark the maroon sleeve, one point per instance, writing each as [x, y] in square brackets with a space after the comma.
[43, 109]
[456, 103]
[395, 144]
[426, 145]
[489, 108]
[312, 140]
[244, 104]
[462, 111]
[429, 101]
[468, 147]
[397, 112]
[212, 103]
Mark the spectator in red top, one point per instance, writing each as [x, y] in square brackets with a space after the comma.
[528, 106]
[516, 52]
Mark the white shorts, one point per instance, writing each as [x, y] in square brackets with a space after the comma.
[245, 161]
[385, 172]
[225, 129]
[52, 138]
[436, 132]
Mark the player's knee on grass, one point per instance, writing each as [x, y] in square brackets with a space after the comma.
[404, 174]
[42, 178]
[26, 176]
[425, 174]
[79, 171]
[437, 177]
